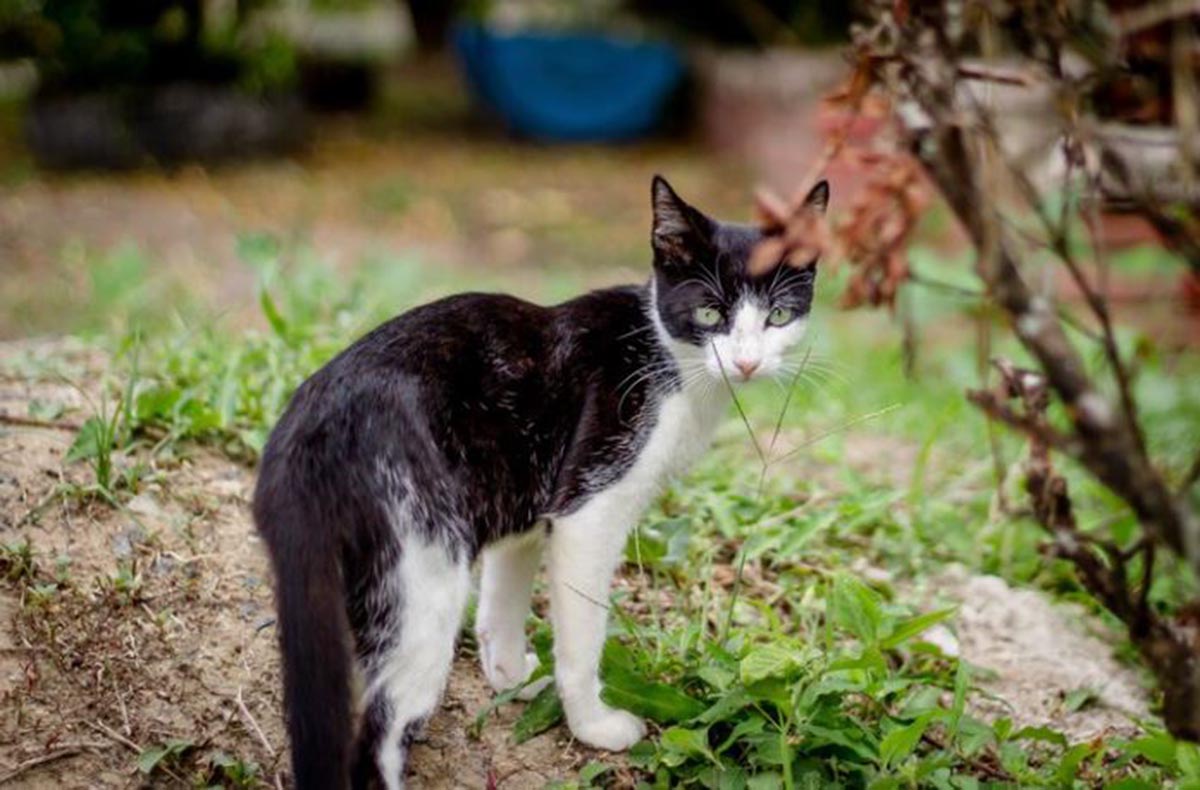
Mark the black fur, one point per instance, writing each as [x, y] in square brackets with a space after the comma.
[484, 414]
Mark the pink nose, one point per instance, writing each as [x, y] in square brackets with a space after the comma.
[746, 367]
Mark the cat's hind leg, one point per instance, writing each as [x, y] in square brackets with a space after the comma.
[505, 587]
[406, 669]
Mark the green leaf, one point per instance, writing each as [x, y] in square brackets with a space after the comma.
[731, 778]
[498, 701]
[689, 742]
[753, 725]
[767, 661]
[1157, 748]
[593, 771]
[150, 757]
[1132, 784]
[543, 712]
[1044, 734]
[765, 781]
[1014, 758]
[1079, 699]
[275, 318]
[973, 735]
[854, 607]
[845, 736]
[625, 688]
[923, 700]
[1068, 766]
[898, 744]
[962, 684]
[716, 676]
[91, 442]
[726, 706]
[914, 626]
[1187, 755]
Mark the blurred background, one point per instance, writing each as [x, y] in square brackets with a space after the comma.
[146, 146]
[143, 144]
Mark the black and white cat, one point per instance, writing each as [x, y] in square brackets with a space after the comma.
[485, 425]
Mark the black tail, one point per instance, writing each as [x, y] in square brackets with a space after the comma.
[314, 639]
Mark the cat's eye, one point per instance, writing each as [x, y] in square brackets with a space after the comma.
[780, 316]
[707, 316]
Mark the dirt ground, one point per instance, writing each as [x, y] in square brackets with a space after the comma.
[161, 626]
[181, 645]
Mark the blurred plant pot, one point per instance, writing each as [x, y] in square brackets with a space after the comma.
[168, 125]
[560, 86]
[766, 106]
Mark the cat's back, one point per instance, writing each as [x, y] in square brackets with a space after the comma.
[465, 356]
[462, 326]
[460, 342]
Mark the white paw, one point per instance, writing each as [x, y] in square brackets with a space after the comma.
[610, 729]
[502, 677]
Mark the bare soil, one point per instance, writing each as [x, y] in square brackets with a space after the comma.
[1039, 653]
[161, 626]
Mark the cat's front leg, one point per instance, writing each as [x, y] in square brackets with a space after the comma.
[505, 587]
[585, 548]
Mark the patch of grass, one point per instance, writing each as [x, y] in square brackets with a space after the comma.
[17, 563]
[124, 587]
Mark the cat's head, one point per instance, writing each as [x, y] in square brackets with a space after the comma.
[721, 319]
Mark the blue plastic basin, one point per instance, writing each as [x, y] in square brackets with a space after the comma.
[569, 86]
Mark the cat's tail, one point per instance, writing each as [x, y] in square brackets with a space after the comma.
[314, 640]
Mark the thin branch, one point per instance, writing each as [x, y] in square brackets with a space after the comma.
[34, 422]
[1152, 15]
[36, 762]
[249, 720]
[109, 732]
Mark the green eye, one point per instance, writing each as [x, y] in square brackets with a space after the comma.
[707, 316]
[779, 316]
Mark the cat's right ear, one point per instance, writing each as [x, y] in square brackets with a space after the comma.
[680, 234]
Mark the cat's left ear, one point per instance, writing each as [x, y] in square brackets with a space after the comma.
[680, 234]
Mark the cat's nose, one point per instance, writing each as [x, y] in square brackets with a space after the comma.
[746, 366]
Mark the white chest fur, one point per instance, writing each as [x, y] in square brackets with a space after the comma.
[683, 430]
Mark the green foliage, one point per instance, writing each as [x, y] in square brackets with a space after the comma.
[232, 773]
[164, 756]
[97, 45]
[124, 586]
[543, 712]
[17, 563]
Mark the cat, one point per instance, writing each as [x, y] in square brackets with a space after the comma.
[485, 426]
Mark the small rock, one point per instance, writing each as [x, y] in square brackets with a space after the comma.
[124, 542]
[145, 505]
[227, 488]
